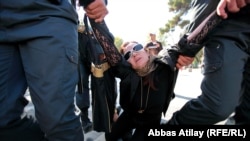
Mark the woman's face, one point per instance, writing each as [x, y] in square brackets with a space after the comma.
[136, 55]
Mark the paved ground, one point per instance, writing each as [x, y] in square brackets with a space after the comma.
[187, 87]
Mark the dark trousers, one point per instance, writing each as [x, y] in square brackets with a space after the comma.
[242, 112]
[38, 50]
[225, 58]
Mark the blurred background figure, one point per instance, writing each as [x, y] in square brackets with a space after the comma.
[154, 46]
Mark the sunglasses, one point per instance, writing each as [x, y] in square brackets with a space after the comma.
[138, 47]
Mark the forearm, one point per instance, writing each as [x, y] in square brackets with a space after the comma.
[203, 21]
[106, 39]
[201, 10]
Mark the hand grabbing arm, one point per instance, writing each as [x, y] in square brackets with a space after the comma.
[184, 61]
[96, 10]
[232, 6]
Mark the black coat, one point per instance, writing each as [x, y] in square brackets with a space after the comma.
[130, 86]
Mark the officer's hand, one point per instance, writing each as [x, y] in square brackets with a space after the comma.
[184, 61]
[232, 6]
[97, 10]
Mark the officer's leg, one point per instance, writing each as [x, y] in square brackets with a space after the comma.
[12, 87]
[50, 64]
[220, 86]
[242, 112]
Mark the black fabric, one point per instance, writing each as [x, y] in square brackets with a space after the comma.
[190, 47]
[55, 1]
[103, 101]
[84, 64]
[24, 129]
[242, 112]
[106, 40]
[96, 52]
[202, 9]
[104, 91]
[85, 3]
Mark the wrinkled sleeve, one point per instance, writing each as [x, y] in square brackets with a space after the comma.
[203, 20]
[200, 9]
[106, 40]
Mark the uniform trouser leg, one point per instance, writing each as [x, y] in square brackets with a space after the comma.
[12, 84]
[51, 72]
[242, 112]
[221, 85]
[12, 87]
[47, 42]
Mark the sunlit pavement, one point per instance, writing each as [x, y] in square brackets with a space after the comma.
[187, 87]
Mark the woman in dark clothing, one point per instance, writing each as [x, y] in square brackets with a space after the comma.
[145, 91]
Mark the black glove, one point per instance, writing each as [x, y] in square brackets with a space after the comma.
[174, 53]
[188, 48]
[182, 48]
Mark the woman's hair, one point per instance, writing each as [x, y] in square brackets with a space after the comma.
[149, 79]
